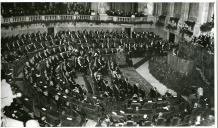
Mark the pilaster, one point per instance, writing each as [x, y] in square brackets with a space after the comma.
[185, 11]
[202, 17]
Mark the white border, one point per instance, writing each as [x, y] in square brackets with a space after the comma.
[215, 28]
[197, 1]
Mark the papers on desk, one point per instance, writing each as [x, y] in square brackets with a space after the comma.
[122, 112]
[134, 101]
[68, 118]
[159, 99]
[43, 109]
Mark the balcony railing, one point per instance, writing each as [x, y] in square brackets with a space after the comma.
[40, 18]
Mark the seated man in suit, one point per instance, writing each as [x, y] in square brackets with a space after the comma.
[153, 93]
[145, 121]
[129, 121]
[82, 65]
[136, 88]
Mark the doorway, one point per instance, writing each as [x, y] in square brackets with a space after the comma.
[171, 37]
[128, 31]
[51, 30]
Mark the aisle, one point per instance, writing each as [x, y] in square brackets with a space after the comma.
[144, 72]
[134, 77]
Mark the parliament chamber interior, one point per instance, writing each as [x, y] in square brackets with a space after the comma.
[104, 64]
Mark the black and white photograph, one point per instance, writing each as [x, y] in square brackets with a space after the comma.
[108, 63]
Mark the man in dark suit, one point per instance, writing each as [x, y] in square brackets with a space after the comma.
[136, 88]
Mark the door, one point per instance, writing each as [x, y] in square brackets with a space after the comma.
[171, 37]
[128, 31]
[51, 30]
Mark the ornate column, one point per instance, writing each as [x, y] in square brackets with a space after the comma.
[94, 6]
[15, 5]
[184, 11]
[159, 9]
[100, 7]
[203, 12]
[202, 17]
[141, 7]
[171, 10]
[150, 7]
[210, 12]
[147, 9]
[50, 4]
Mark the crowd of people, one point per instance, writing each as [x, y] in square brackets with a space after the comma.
[93, 42]
[124, 13]
[206, 41]
[54, 61]
[25, 9]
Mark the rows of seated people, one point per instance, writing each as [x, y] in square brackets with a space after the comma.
[61, 59]
[33, 69]
[206, 41]
[123, 13]
[165, 111]
[17, 110]
[57, 80]
[121, 90]
[25, 9]
[99, 42]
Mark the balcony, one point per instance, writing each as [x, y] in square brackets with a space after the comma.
[74, 18]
